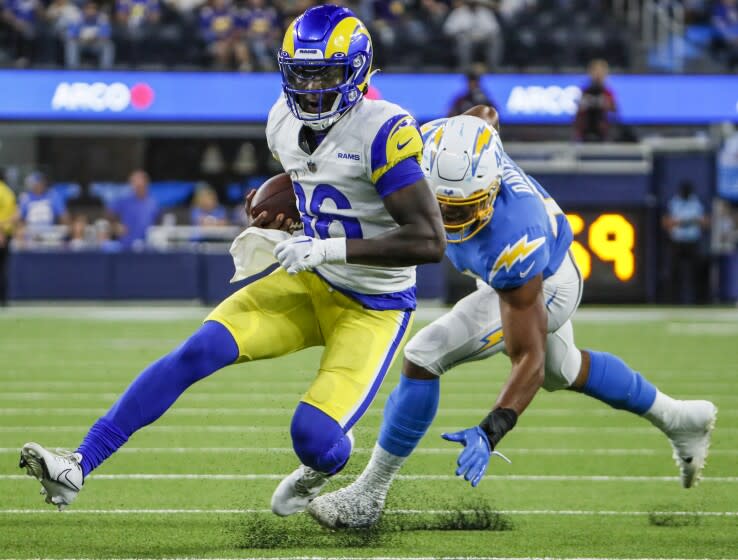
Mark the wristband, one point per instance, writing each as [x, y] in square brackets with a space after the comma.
[497, 423]
[335, 250]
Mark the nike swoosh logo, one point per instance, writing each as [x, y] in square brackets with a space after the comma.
[527, 270]
[401, 146]
[66, 480]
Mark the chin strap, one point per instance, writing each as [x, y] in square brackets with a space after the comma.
[327, 122]
[322, 124]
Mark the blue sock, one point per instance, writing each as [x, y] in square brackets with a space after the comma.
[318, 440]
[103, 439]
[209, 349]
[408, 414]
[613, 382]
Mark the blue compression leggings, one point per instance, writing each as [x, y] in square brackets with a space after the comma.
[209, 349]
[613, 382]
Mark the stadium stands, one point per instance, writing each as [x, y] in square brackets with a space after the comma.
[431, 34]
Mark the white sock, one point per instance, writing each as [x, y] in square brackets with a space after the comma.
[381, 470]
[663, 411]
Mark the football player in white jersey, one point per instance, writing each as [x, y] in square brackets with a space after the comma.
[503, 228]
[347, 283]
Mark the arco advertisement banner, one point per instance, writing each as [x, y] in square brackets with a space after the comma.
[524, 99]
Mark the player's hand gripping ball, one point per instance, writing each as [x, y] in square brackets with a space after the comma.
[273, 205]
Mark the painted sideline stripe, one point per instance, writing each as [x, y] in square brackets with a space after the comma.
[647, 431]
[702, 329]
[420, 451]
[519, 477]
[542, 512]
[425, 312]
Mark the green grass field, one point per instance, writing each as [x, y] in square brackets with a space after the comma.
[586, 481]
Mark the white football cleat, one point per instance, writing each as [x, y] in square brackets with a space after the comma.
[300, 488]
[59, 472]
[297, 490]
[353, 507]
[689, 435]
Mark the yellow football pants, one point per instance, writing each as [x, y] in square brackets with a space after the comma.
[280, 314]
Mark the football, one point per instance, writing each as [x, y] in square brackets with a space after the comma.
[275, 196]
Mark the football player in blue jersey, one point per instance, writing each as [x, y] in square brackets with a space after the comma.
[346, 284]
[504, 229]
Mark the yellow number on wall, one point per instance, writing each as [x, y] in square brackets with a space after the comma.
[612, 238]
[581, 255]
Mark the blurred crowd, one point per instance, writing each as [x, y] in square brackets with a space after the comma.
[132, 33]
[245, 34]
[40, 217]
[723, 18]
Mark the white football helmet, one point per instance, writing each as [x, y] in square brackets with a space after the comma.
[462, 160]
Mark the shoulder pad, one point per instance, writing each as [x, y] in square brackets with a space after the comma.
[397, 139]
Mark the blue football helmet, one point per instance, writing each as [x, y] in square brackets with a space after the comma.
[325, 62]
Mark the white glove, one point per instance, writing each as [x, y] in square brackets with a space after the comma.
[305, 253]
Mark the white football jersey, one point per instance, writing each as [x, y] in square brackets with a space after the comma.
[339, 187]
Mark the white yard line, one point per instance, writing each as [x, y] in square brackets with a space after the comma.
[290, 398]
[286, 408]
[167, 429]
[696, 379]
[624, 430]
[465, 384]
[182, 411]
[105, 312]
[286, 402]
[411, 477]
[121, 344]
[201, 511]
[193, 396]
[554, 451]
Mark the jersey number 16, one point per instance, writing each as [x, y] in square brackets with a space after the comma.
[317, 221]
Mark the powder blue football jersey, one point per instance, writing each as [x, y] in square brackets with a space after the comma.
[527, 235]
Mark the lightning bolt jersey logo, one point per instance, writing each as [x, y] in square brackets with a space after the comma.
[491, 339]
[515, 253]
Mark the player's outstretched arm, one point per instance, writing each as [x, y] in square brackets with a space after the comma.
[419, 237]
[524, 323]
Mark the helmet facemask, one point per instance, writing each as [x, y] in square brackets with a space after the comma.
[463, 218]
[463, 160]
[320, 91]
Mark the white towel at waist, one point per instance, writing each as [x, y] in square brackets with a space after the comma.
[253, 249]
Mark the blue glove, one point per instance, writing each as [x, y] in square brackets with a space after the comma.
[474, 459]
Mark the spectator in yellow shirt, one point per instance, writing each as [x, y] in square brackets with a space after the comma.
[8, 216]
